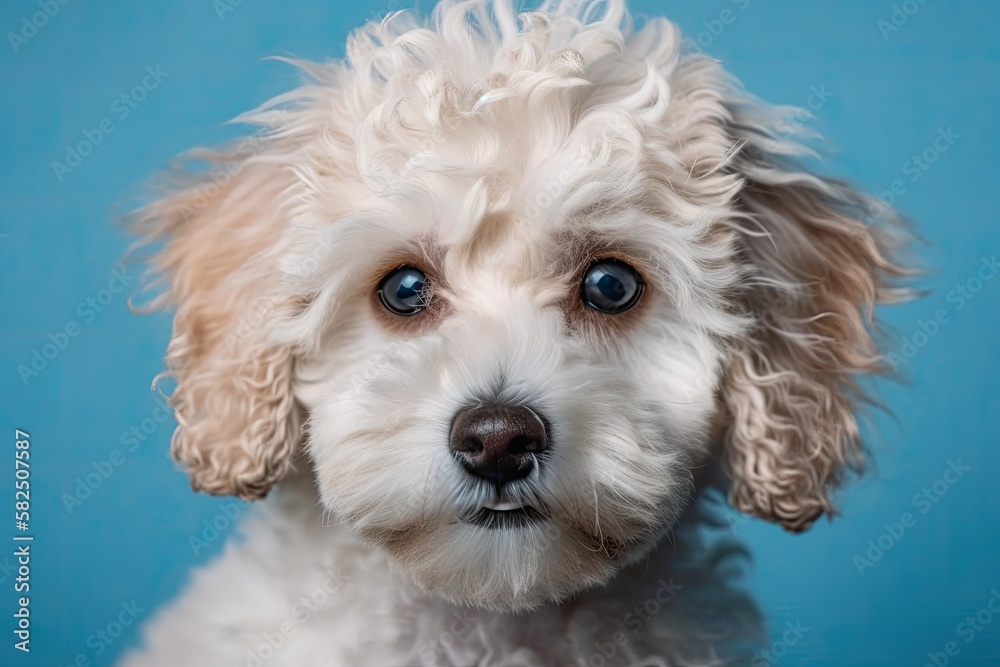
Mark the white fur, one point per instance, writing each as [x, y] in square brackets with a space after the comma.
[504, 153]
[299, 593]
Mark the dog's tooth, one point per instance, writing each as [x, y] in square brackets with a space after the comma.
[503, 507]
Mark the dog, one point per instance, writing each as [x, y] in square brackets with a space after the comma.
[489, 300]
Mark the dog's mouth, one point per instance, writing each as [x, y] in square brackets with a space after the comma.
[504, 516]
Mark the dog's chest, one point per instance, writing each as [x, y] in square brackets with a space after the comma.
[292, 595]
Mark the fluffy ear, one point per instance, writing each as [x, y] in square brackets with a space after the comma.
[214, 246]
[818, 263]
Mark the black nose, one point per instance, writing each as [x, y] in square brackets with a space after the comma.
[498, 442]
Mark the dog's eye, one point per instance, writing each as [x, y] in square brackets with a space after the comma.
[611, 286]
[404, 291]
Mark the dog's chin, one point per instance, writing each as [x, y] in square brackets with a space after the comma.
[507, 558]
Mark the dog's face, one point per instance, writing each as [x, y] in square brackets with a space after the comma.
[508, 285]
[511, 407]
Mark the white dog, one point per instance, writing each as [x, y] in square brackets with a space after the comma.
[486, 295]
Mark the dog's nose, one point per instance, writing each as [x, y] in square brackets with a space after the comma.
[498, 442]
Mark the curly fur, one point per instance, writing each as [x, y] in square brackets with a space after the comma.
[502, 154]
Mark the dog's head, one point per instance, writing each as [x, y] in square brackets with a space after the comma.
[506, 282]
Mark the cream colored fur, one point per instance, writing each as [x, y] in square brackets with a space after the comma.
[501, 154]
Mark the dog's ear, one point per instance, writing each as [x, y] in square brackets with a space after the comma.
[214, 245]
[818, 262]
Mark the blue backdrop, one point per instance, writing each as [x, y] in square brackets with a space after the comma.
[905, 91]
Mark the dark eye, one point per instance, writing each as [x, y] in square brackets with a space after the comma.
[404, 291]
[611, 286]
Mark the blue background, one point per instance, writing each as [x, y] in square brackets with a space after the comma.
[130, 539]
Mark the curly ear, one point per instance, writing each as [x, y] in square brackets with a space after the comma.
[817, 263]
[215, 244]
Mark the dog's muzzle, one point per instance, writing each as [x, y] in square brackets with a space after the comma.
[499, 445]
